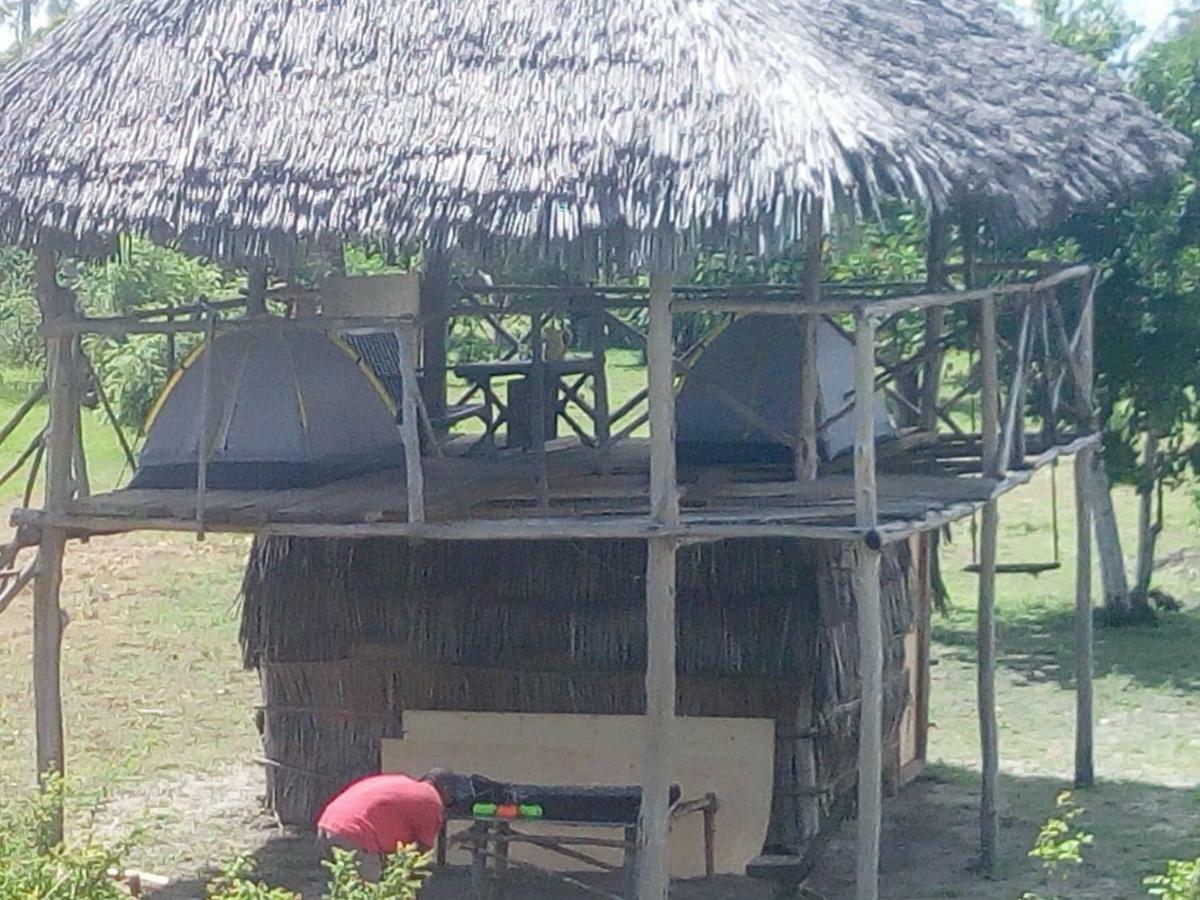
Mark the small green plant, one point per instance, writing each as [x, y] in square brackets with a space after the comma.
[403, 874]
[33, 868]
[1059, 845]
[1181, 881]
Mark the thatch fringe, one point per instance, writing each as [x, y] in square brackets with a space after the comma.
[250, 126]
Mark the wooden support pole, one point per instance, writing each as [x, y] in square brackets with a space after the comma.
[989, 821]
[256, 288]
[1085, 765]
[409, 303]
[435, 319]
[806, 447]
[204, 442]
[935, 321]
[869, 616]
[598, 334]
[536, 398]
[653, 876]
[47, 613]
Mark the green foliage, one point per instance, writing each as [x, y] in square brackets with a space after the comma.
[1180, 881]
[1059, 844]
[403, 874]
[1097, 29]
[20, 342]
[237, 882]
[1148, 305]
[28, 871]
[134, 368]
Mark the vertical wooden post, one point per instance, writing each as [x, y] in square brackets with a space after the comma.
[256, 288]
[409, 303]
[935, 321]
[807, 452]
[1085, 767]
[204, 440]
[989, 821]
[537, 406]
[47, 613]
[598, 334]
[435, 325]
[869, 615]
[654, 825]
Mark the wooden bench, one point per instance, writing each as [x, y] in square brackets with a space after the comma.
[489, 839]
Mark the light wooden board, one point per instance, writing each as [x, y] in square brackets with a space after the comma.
[733, 758]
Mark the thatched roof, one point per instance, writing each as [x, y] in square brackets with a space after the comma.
[235, 121]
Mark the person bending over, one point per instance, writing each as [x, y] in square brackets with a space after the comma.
[376, 815]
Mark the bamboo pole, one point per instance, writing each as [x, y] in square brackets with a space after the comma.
[409, 301]
[935, 321]
[989, 827]
[869, 616]
[536, 397]
[653, 871]
[1085, 766]
[47, 613]
[806, 446]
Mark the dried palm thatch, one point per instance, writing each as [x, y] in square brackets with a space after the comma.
[243, 125]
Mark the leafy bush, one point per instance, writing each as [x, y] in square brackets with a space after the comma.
[62, 872]
[1059, 844]
[1181, 881]
[403, 874]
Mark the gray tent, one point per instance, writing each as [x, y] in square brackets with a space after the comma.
[754, 364]
[287, 409]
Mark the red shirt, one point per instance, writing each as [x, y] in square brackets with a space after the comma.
[381, 812]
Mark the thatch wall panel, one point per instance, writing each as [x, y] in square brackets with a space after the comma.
[349, 629]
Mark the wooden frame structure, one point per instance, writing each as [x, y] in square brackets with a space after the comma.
[616, 486]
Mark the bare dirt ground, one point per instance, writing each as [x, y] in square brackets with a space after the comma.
[928, 842]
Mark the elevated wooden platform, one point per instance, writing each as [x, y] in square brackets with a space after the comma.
[469, 497]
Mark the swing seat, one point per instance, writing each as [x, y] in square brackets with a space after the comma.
[1018, 568]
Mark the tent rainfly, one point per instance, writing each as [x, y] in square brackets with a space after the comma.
[287, 409]
[738, 402]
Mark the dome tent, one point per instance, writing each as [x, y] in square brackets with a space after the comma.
[290, 408]
[755, 363]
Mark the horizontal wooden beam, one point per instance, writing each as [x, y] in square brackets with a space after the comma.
[745, 301]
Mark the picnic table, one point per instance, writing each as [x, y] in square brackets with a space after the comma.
[562, 384]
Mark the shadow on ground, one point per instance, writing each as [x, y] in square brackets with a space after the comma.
[929, 846]
[1038, 645]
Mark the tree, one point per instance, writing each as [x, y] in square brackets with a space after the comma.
[1148, 305]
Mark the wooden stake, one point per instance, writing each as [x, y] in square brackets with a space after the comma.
[869, 615]
[204, 443]
[435, 305]
[256, 288]
[989, 822]
[935, 321]
[807, 452]
[537, 407]
[47, 614]
[1085, 766]
[410, 426]
[598, 333]
[654, 825]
